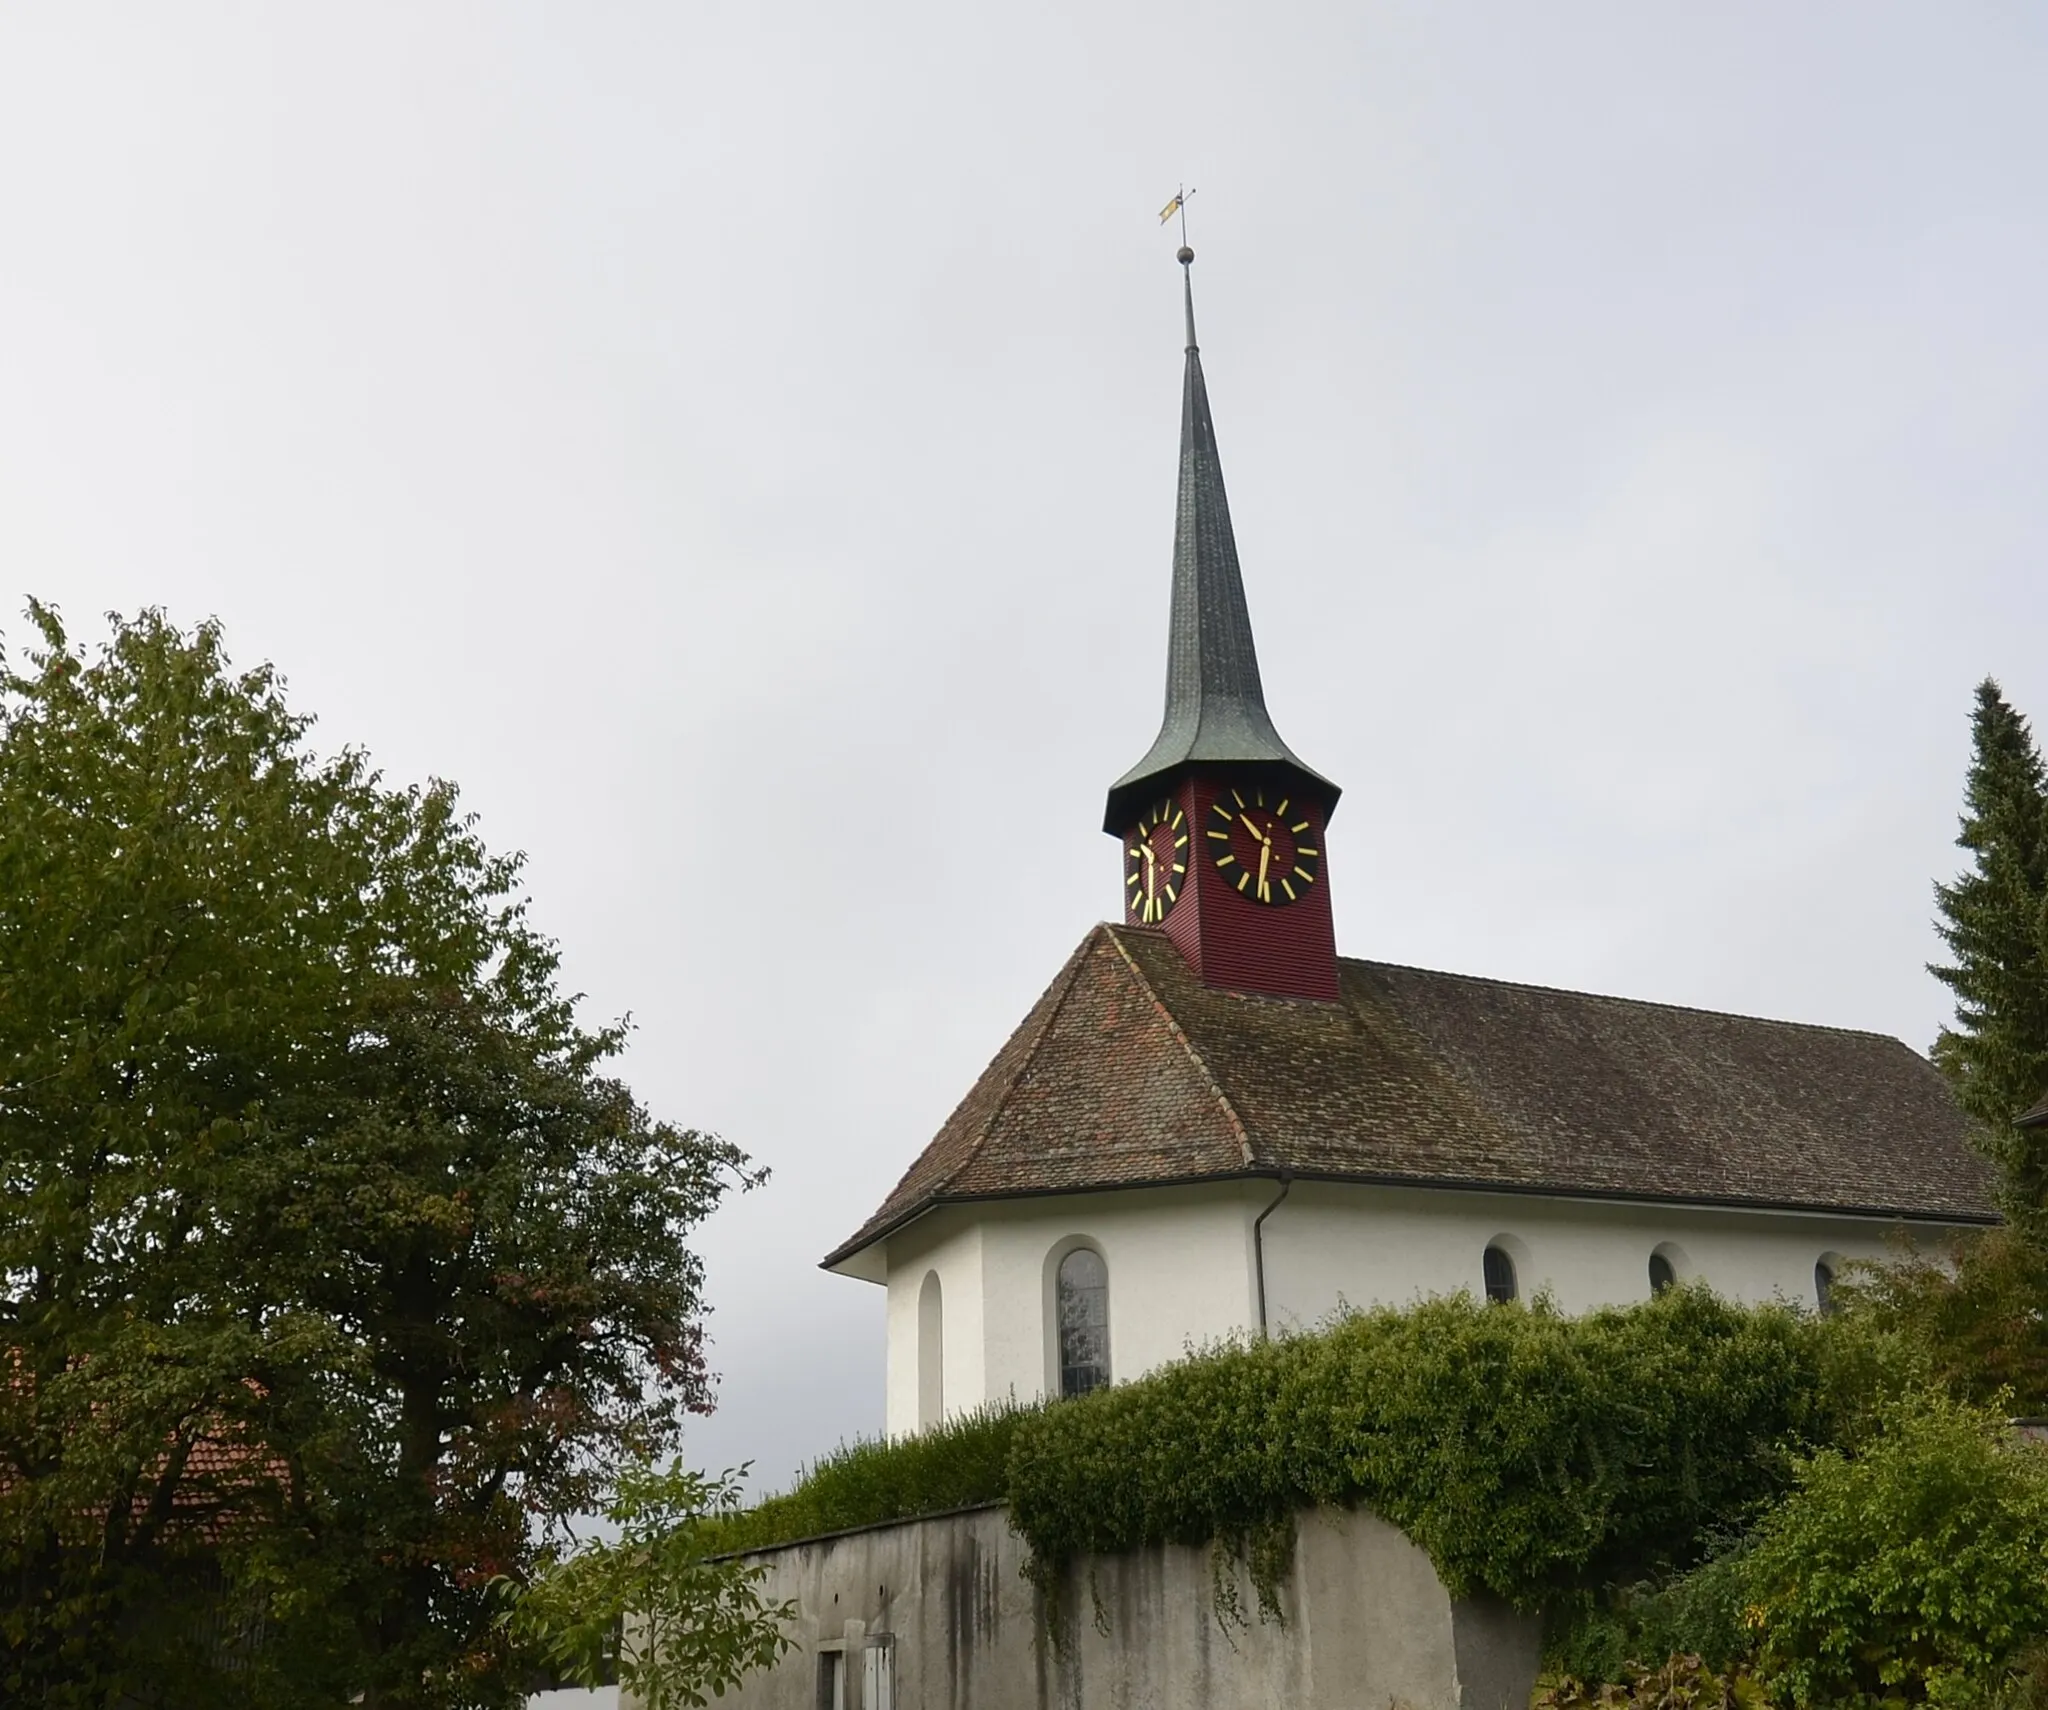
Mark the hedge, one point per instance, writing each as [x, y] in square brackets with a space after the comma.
[1538, 1457]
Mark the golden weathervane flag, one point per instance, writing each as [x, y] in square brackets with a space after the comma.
[1166, 213]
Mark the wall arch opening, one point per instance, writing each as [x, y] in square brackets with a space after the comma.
[931, 1352]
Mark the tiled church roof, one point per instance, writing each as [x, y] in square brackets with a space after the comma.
[1130, 1071]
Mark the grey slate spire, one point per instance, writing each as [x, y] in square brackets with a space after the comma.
[1215, 709]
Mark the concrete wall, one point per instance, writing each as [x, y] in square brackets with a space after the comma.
[936, 1615]
[1181, 1267]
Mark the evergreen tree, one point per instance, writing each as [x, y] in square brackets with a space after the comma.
[1994, 920]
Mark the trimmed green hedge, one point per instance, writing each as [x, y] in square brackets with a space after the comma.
[867, 1483]
[1532, 1455]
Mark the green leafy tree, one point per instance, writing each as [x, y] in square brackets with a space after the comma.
[656, 1609]
[1994, 920]
[334, 1266]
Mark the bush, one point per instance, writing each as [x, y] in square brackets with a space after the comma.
[1916, 1570]
[866, 1483]
[1531, 1455]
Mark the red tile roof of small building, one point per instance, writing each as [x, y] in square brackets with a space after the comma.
[1130, 1072]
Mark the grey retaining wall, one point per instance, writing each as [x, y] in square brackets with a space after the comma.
[935, 1615]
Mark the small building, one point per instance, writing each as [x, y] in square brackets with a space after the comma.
[1212, 1125]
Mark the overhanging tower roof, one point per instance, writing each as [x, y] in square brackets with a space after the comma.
[1215, 706]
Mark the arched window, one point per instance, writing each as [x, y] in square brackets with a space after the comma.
[1662, 1273]
[1083, 1291]
[1824, 1288]
[1500, 1274]
[931, 1352]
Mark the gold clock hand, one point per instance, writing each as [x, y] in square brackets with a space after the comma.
[1255, 831]
[1265, 855]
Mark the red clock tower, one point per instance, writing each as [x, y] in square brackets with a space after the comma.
[1222, 825]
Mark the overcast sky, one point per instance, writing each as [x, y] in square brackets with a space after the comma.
[737, 443]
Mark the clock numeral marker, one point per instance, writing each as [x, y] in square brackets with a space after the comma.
[1234, 796]
[1289, 889]
[1243, 879]
[1281, 810]
[1304, 849]
[1306, 877]
[1299, 829]
[1226, 860]
[1179, 867]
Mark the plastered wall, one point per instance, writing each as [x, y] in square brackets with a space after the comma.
[1181, 1268]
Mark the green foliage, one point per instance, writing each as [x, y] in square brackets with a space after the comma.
[1915, 1569]
[959, 1464]
[1972, 1319]
[1701, 1614]
[332, 1262]
[653, 1610]
[1684, 1682]
[1994, 920]
[1531, 1455]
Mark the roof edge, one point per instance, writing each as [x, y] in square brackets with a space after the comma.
[1444, 1184]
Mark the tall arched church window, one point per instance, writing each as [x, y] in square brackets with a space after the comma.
[1083, 1292]
[931, 1352]
[1662, 1273]
[1824, 1288]
[1500, 1274]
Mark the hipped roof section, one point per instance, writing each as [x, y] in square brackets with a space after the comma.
[1130, 1072]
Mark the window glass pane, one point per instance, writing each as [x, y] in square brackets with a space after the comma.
[1500, 1275]
[1083, 1322]
[1824, 1287]
[1662, 1276]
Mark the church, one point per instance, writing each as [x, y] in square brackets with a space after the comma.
[1212, 1125]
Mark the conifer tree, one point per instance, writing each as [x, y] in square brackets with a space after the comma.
[1994, 920]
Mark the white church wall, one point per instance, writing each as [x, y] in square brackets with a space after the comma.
[951, 1249]
[1182, 1274]
[1332, 1245]
[1179, 1275]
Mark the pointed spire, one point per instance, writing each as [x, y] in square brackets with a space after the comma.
[1215, 706]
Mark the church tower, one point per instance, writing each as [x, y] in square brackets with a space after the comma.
[1222, 825]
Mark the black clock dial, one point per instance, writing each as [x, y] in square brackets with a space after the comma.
[1266, 847]
[1155, 863]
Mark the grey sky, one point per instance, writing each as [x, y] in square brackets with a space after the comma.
[737, 443]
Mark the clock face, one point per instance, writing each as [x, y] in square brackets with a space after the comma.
[1155, 863]
[1266, 851]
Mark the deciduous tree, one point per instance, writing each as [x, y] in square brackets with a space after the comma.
[336, 1265]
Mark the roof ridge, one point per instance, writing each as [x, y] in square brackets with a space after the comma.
[1230, 1115]
[1636, 1002]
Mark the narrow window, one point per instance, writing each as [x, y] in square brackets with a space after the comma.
[1662, 1275]
[1824, 1288]
[1084, 1322]
[931, 1353]
[1500, 1274]
[831, 1680]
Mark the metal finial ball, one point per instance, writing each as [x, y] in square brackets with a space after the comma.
[1186, 255]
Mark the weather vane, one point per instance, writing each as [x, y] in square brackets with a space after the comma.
[1179, 205]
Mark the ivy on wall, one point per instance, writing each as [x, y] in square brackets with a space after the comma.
[1531, 1455]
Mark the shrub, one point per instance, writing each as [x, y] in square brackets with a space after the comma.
[865, 1483]
[1915, 1570]
[1531, 1455]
